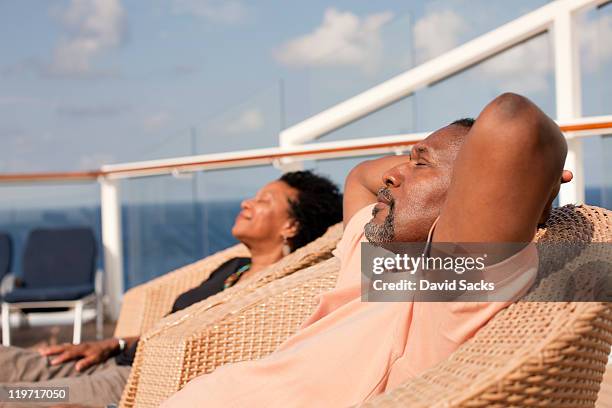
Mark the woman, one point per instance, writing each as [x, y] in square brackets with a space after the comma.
[284, 215]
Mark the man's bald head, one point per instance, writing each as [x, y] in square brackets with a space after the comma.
[414, 191]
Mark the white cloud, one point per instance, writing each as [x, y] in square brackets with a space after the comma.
[248, 121]
[342, 39]
[221, 11]
[92, 26]
[438, 32]
[156, 121]
[523, 68]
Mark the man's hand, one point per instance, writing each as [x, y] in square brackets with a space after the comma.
[87, 354]
[566, 177]
[364, 181]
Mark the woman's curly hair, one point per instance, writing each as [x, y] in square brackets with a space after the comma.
[318, 206]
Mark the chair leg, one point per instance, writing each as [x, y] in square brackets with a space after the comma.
[78, 322]
[6, 324]
[99, 318]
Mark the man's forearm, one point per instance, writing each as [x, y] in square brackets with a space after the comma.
[369, 173]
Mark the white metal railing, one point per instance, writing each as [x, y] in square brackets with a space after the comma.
[558, 15]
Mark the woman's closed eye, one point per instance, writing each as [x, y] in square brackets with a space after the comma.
[263, 200]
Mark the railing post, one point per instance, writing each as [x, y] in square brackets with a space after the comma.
[112, 242]
[287, 164]
[569, 104]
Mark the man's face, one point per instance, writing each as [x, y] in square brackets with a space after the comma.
[415, 191]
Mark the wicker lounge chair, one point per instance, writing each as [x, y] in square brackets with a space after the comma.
[316, 251]
[218, 331]
[146, 304]
[604, 398]
[530, 354]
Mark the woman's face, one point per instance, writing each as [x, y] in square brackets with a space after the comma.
[265, 219]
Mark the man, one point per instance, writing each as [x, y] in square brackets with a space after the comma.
[489, 181]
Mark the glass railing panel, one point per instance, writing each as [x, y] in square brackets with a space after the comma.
[351, 68]
[24, 208]
[598, 170]
[594, 30]
[160, 226]
[171, 221]
[219, 197]
[250, 123]
[407, 40]
[338, 169]
[606, 195]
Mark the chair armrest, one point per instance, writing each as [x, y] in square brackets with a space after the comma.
[145, 304]
[190, 343]
[7, 283]
[99, 282]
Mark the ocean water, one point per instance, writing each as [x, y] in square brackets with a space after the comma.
[159, 238]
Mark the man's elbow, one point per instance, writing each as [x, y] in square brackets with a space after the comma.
[527, 126]
[513, 112]
[512, 124]
[512, 105]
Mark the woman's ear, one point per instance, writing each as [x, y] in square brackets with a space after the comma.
[290, 229]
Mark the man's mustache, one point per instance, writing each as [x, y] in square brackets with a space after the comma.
[385, 196]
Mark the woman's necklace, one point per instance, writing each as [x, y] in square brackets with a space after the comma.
[233, 278]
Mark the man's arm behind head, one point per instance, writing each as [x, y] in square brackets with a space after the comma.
[506, 173]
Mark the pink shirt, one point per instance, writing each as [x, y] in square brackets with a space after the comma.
[348, 350]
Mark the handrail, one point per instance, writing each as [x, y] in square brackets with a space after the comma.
[255, 157]
[57, 177]
[325, 150]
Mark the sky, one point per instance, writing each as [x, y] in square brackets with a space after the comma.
[90, 82]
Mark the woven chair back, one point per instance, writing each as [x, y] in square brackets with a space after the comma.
[535, 352]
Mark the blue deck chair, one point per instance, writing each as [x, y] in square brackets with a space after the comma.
[59, 271]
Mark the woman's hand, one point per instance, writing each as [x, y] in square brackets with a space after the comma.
[87, 354]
